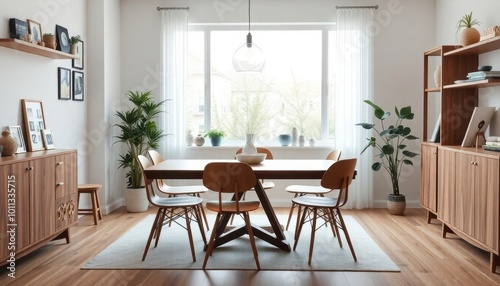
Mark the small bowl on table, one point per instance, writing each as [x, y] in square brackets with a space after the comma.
[251, 159]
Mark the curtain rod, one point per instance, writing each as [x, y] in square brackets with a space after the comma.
[356, 7]
[172, 8]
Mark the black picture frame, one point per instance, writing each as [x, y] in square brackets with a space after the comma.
[64, 83]
[17, 28]
[78, 86]
[79, 52]
[62, 39]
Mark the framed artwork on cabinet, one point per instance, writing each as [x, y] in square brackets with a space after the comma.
[64, 83]
[48, 142]
[479, 121]
[79, 52]
[78, 86]
[34, 123]
[17, 132]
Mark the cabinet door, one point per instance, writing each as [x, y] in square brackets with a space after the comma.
[14, 207]
[446, 186]
[66, 175]
[42, 199]
[465, 174]
[428, 179]
[66, 211]
[486, 202]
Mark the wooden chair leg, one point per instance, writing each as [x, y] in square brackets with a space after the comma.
[99, 212]
[299, 229]
[160, 227]
[93, 196]
[291, 213]
[190, 235]
[346, 233]
[202, 211]
[199, 220]
[331, 219]
[153, 230]
[212, 240]
[252, 239]
[313, 232]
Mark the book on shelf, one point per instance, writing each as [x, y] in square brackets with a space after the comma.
[436, 134]
[491, 148]
[493, 139]
[483, 74]
[491, 143]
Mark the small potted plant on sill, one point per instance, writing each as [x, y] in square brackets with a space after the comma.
[393, 154]
[72, 43]
[138, 131]
[468, 34]
[215, 136]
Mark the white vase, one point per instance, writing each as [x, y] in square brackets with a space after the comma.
[249, 147]
[199, 140]
[437, 76]
[136, 200]
[302, 140]
[312, 142]
[295, 136]
[189, 138]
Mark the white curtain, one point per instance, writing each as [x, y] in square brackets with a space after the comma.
[355, 84]
[174, 34]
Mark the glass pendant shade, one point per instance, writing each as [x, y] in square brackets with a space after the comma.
[249, 57]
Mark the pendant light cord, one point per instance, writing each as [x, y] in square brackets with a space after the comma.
[249, 16]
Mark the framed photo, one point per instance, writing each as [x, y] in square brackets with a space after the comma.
[48, 142]
[64, 83]
[17, 28]
[17, 133]
[78, 62]
[35, 29]
[78, 86]
[62, 39]
[34, 123]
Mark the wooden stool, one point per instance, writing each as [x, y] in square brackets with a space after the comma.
[96, 207]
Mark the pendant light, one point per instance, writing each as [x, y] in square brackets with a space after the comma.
[249, 57]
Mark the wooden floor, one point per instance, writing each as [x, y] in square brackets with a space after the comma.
[425, 258]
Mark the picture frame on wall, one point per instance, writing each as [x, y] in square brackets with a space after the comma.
[17, 133]
[64, 83]
[34, 123]
[48, 141]
[35, 29]
[78, 86]
[79, 52]
[62, 39]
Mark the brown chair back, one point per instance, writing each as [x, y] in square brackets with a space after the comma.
[145, 163]
[334, 155]
[338, 177]
[225, 177]
[260, 150]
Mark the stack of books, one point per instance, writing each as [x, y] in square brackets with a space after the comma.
[480, 75]
[492, 143]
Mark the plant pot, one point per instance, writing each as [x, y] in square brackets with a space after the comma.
[469, 36]
[72, 49]
[50, 41]
[396, 204]
[136, 200]
[216, 141]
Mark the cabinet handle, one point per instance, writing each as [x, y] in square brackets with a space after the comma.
[30, 168]
[59, 163]
[60, 184]
[472, 162]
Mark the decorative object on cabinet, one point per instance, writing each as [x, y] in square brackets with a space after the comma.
[62, 38]
[437, 76]
[17, 132]
[139, 132]
[17, 28]
[35, 29]
[73, 41]
[479, 121]
[8, 143]
[215, 136]
[490, 32]
[50, 40]
[285, 139]
[78, 86]
[64, 83]
[48, 141]
[34, 123]
[436, 134]
[79, 53]
[393, 153]
[199, 140]
[468, 34]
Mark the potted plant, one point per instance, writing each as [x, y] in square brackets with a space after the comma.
[139, 132]
[72, 43]
[215, 136]
[468, 34]
[50, 40]
[393, 154]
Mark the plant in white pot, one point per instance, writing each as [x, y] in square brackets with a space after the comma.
[393, 153]
[138, 131]
[468, 34]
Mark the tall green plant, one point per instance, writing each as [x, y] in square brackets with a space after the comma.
[139, 132]
[393, 153]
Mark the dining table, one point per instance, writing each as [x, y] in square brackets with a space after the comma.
[268, 169]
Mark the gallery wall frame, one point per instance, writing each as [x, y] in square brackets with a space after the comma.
[17, 132]
[79, 52]
[78, 86]
[62, 39]
[34, 123]
[64, 83]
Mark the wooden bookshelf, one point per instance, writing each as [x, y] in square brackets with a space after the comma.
[30, 48]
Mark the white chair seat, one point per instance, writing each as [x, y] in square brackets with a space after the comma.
[304, 189]
[182, 190]
[316, 202]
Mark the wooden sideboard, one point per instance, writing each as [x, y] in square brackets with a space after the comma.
[38, 201]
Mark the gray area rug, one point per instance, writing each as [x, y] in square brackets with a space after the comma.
[173, 251]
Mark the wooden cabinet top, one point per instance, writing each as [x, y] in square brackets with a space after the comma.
[473, 151]
[33, 155]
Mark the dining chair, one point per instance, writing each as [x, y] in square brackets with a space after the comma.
[338, 176]
[230, 178]
[174, 191]
[301, 190]
[171, 209]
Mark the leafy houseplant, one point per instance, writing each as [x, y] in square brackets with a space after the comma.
[393, 154]
[139, 133]
[75, 40]
[468, 34]
[215, 136]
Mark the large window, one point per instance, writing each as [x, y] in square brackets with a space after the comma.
[288, 93]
